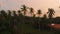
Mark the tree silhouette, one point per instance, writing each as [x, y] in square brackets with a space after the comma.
[19, 13]
[9, 17]
[43, 22]
[44, 16]
[3, 13]
[14, 22]
[39, 12]
[4, 23]
[31, 11]
[18, 23]
[24, 8]
[20, 19]
[14, 13]
[39, 19]
[50, 13]
[44, 19]
[9, 13]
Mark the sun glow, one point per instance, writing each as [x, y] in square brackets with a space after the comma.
[52, 24]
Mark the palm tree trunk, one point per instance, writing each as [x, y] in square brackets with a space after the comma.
[23, 23]
[39, 23]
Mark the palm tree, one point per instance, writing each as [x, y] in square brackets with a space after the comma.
[9, 17]
[44, 19]
[50, 13]
[20, 22]
[24, 8]
[14, 21]
[31, 11]
[3, 13]
[14, 13]
[9, 13]
[3, 19]
[44, 16]
[19, 13]
[39, 12]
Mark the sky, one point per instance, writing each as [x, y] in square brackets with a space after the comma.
[36, 4]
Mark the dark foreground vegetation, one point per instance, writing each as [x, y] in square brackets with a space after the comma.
[12, 23]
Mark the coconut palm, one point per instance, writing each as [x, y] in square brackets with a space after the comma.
[44, 16]
[50, 12]
[14, 21]
[9, 13]
[3, 19]
[14, 13]
[24, 8]
[3, 13]
[9, 20]
[39, 12]
[19, 22]
[31, 11]
[19, 13]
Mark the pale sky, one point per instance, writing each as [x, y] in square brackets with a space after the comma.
[36, 4]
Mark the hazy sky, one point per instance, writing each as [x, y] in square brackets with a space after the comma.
[36, 4]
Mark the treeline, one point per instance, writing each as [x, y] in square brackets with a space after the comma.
[14, 23]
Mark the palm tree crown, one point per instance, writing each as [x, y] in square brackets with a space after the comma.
[50, 12]
[31, 11]
[39, 12]
[9, 13]
[24, 8]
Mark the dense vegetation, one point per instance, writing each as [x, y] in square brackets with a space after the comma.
[12, 23]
